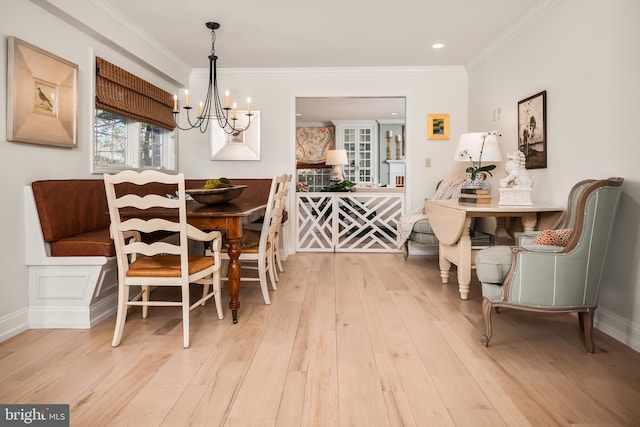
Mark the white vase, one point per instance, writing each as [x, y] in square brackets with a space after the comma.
[475, 183]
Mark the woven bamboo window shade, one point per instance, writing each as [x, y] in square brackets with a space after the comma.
[123, 93]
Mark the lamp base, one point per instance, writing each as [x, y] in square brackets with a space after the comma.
[337, 175]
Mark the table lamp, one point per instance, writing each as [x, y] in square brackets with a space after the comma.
[476, 147]
[337, 158]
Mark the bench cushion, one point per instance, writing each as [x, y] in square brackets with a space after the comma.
[91, 243]
[70, 207]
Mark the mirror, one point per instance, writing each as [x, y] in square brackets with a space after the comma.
[371, 129]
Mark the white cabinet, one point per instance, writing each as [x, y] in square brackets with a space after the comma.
[396, 173]
[360, 139]
[360, 221]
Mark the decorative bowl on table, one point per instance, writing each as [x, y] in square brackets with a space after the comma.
[214, 196]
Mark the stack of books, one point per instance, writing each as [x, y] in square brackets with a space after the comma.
[474, 195]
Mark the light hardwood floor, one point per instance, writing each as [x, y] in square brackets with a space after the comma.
[349, 340]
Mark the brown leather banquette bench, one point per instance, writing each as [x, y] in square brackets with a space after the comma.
[74, 215]
[69, 254]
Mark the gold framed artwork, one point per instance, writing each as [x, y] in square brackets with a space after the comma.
[41, 96]
[437, 126]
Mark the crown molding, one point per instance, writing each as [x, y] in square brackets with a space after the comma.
[337, 71]
[102, 22]
[531, 17]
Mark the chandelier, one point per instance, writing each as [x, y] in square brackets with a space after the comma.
[226, 116]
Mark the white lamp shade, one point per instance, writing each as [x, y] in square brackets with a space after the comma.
[336, 157]
[470, 145]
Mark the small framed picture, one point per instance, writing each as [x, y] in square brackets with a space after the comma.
[41, 95]
[532, 130]
[437, 126]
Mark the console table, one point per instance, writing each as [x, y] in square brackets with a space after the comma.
[451, 223]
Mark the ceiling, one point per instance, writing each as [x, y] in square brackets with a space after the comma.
[329, 33]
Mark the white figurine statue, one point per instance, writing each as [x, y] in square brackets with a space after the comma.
[516, 187]
[517, 175]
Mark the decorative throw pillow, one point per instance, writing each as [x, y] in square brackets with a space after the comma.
[558, 237]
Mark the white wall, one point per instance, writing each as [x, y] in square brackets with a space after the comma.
[585, 54]
[23, 163]
[427, 90]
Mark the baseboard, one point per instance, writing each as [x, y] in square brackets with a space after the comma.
[618, 327]
[13, 324]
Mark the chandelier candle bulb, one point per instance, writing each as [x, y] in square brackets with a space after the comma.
[186, 97]
[226, 99]
[234, 111]
[248, 106]
[175, 103]
[200, 109]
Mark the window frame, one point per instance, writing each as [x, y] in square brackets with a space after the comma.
[133, 146]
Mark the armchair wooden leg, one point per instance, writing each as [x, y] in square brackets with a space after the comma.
[486, 312]
[586, 325]
[406, 249]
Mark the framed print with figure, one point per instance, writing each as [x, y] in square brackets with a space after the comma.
[532, 130]
[41, 96]
[240, 145]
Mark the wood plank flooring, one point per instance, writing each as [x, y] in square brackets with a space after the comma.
[349, 340]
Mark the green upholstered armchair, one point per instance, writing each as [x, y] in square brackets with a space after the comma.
[560, 276]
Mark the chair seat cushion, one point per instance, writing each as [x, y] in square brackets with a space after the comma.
[423, 238]
[166, 265]
[422, 226]
[493, 264]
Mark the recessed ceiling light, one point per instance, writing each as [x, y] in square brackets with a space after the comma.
[394, 114]
[298, 114]
[437, 45]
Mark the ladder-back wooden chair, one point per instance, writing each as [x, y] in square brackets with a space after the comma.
[161, 263]
[257, 248]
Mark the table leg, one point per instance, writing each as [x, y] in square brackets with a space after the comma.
[234, 235]
[502, 235]
[464, 260]
[445, 265]
[234, 277]
[529, 221]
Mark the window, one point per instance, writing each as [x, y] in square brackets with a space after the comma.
[123, 143]
[134, 126]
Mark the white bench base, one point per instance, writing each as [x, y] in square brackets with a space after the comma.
[65, 292]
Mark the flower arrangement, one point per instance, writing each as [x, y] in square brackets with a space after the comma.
[476, 167]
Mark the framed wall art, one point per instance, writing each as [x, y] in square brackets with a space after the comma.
[238, 145]
[532, 130]
[41, 96]
[437, 126]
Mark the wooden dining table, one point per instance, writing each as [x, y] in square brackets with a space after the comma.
[230, 217]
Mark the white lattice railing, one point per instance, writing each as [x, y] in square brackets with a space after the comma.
[348, 222]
